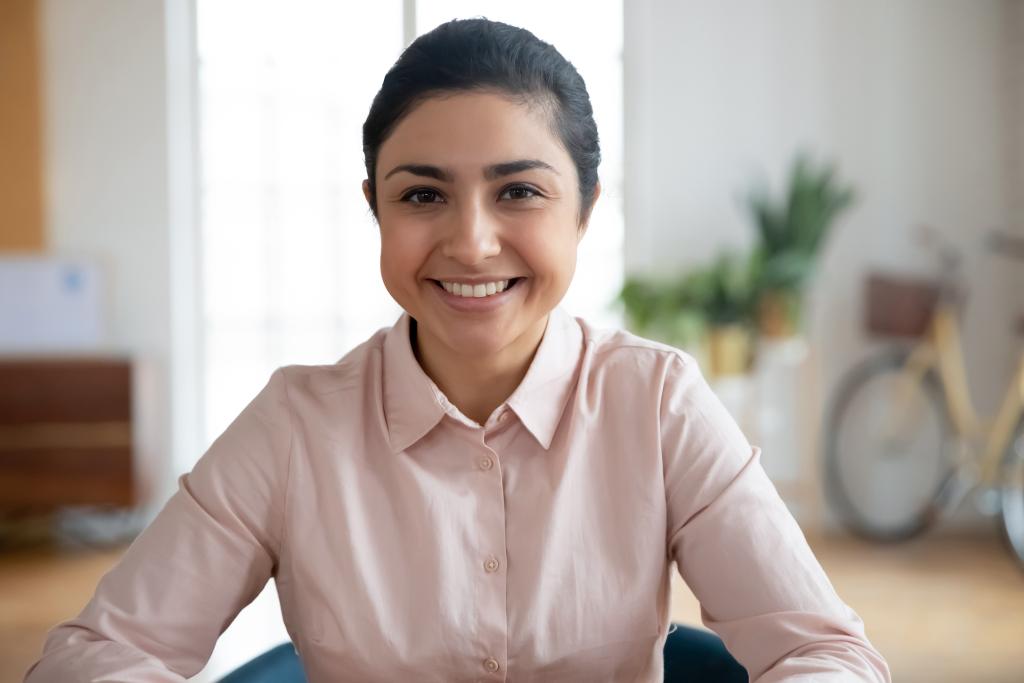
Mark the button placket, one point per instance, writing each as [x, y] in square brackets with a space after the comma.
[492, 591]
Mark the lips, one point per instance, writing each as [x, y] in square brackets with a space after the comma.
[512, 283]
[472, 304]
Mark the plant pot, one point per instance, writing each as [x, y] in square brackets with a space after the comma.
[730, 350]
[778, 313]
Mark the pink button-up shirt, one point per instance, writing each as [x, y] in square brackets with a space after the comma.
[409, 543]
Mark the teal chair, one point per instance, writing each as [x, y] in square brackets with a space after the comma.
[690, 655]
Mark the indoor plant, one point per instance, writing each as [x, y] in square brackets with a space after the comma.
[708, 311]
[791, 230]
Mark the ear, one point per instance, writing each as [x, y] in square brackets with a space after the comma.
[366, 192]
[586, 219]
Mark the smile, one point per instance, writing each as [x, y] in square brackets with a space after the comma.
[478, 290]
[484, 296]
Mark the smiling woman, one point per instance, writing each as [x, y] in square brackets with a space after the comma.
[501, 210]
[490, 488]
[487, 153]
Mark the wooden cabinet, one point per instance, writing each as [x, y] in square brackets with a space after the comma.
[65, 432]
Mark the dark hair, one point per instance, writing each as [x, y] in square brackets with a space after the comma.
[482, 55]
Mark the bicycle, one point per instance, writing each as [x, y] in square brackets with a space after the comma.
[903, 443]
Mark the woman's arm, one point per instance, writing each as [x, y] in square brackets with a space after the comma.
[741, 552]
[157, 614]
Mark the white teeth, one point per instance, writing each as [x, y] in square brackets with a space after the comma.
[475, 291]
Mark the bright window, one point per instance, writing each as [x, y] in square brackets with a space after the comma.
[289, 249]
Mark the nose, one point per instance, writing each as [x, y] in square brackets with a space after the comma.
[472, 237]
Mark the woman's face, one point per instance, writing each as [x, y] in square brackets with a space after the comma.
[474, 190]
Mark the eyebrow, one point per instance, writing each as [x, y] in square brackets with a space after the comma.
[490, 173]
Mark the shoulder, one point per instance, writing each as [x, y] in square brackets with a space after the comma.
[349, 373]
[617, 349]
[650, 375]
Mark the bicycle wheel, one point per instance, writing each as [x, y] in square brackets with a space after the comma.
[1011, 495]
[888, 457]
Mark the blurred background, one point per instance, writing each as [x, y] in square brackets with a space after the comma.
[823, 201]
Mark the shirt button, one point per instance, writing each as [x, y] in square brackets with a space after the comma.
[486, 463]
[503, 416]
[491, 565]
[491, 664]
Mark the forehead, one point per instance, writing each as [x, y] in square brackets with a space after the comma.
[469, 131]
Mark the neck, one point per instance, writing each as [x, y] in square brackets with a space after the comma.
[477, 385]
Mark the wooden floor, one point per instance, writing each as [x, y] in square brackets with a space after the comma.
[938, 608]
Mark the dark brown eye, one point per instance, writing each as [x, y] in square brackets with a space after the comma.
[422, 196]
[519, 192]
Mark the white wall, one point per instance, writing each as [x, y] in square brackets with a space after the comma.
[1015, 85]
[116, 189]
[106, 179]
[911, 98]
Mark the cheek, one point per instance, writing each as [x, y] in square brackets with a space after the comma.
[394, 272]
[400, 255]
[551, 258]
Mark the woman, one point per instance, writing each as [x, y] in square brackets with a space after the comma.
[490, 489]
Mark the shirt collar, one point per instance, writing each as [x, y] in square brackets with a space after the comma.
[413, 405]
[540, 398]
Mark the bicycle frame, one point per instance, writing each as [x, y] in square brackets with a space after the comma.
[942, 352]
[1006, 421]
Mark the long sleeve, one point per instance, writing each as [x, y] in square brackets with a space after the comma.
[742, 553]
[157, 614]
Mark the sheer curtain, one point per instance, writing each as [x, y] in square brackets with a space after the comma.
[289, 251]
